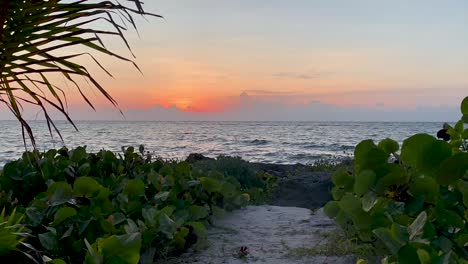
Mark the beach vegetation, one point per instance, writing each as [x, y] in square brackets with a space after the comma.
[80, 207]
[414, 201]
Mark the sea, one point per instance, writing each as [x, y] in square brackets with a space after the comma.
[269, 142]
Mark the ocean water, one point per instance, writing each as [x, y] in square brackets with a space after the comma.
[273, 142]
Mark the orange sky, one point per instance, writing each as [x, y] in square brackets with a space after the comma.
[360, 54]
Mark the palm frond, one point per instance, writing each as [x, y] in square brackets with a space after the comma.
[33, 32]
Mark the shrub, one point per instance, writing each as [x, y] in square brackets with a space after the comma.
[256, 183]
[107, 208]
[415, 202]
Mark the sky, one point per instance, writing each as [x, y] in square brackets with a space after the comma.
[342, 60]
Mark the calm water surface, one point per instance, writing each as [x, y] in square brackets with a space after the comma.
[274, 142]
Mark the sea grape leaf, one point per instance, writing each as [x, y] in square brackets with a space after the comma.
[464, 106]
[59, 193]
[78, 154]
[229, 190]
[364, 181]
[416, 228]
[161, 196]
[198, 212]
[465, 118]
[464, 134]
[424, 152]
[179, 237]
[342, 178]
[425, 187]
[389, 145]
[167, 226]
[218, 211]
[462, 240]
[57, 261]
[385, 235]
[459, 127]
[68, 232]
[337, 193]
[149, 214]
[452, 169]
[408, 255]
[369, 200]
[332, 209]
[48, 240]
[124, 248]
[86, 187]
[134, 188]
[443, 243]
[62, 214]
[368, 156]
[198, 228]
[211, 185]
[400, 233]
[350, 204]
[84, 169]
[183, 169]
[424, 256]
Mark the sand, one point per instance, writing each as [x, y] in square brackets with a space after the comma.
[270, 233]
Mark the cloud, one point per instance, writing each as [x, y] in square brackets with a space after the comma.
[297, 75]
[278, 107]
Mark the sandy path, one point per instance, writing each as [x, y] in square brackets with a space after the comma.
[270, 233]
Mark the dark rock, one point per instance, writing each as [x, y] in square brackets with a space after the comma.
[194, 157]
[307, 190]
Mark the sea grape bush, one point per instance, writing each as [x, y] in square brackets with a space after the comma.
[80, 207]
[258, 184]
[413, 202]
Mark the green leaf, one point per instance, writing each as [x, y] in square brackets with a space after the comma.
[149, 214]
[462, 240]
[62, 214]
[337, 193]
[368, 156]
[161, 196]
[86, 187]
[124, 249]
[58, 261]
[364, 181]
[408, 255]
[59, 193]
[464, 106]
[343, 179]
[78, 154]
[48, 240]
[332, 209]
[452, 169]
[134, 188]
[385, 235]
[350, 204]
[424, 152]
[417, 227]
[167, 226]
[198, 212]
[464, 134]
[183, 169]
[179, 238]
[211, 185]
[84, 169]
[389, 146]
[425, 187]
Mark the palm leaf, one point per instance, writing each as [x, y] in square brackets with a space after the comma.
[33, 32]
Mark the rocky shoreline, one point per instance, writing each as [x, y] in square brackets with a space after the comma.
[299, 185]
